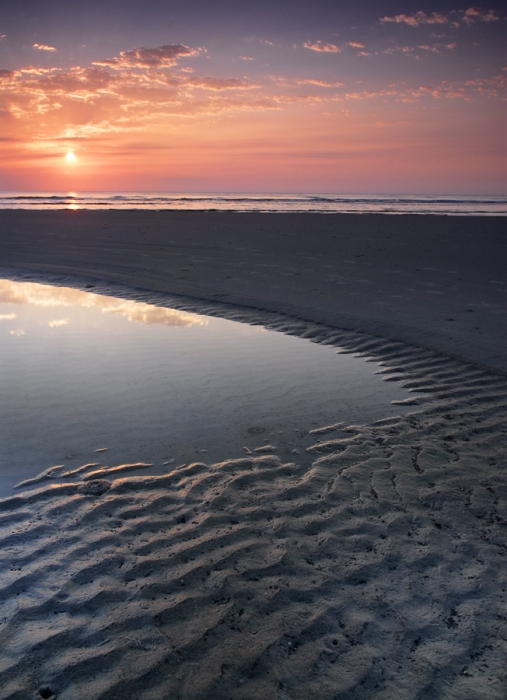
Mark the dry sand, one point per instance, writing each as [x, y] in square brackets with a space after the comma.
[378, 572]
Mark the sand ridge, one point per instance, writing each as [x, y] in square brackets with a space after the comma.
[377, 572]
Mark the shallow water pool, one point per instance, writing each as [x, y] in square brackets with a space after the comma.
[87, 378]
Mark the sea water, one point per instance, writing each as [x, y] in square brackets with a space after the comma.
[464, 205]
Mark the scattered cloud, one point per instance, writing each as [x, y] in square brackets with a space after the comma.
[56, 107]
[57, 322]
[221, 83]
[90, 131]
[417, 19]
[52, 108]
[412, 51]
[159, 57]
[7, 317]
[76, 81]
[17, 333]
[144, 83]
[43, 47]
[436, 48]
[399, 49]
[295, 99]
[320, 83]
[474, 14]
[489, 87]
[322, 47]
[445, 89]
[35, 70]
[369, 94]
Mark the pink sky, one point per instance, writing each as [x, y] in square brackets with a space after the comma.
[407, 102]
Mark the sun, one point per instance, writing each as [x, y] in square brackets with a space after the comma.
[70, 157]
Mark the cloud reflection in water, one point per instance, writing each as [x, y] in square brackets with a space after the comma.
[47, 296]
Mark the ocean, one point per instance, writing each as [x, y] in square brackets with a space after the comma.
[269, 203]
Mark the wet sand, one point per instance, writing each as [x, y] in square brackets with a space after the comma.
[378, 572]
[434, 281]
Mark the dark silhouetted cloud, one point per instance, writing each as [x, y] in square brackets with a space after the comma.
[159, 57]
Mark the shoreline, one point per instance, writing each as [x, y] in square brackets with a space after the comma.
[376, 572]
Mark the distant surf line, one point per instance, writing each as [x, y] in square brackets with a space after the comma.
[461, 205]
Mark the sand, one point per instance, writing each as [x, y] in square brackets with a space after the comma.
[377, 572]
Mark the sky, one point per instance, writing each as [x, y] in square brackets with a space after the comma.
[239, 96]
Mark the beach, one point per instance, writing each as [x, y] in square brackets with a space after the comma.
[377, 572]
[434, 281]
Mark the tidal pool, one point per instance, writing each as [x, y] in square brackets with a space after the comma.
[91, 378]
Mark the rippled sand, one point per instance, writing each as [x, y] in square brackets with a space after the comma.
[377, 572]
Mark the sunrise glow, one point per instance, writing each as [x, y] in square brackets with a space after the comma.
[297, 97]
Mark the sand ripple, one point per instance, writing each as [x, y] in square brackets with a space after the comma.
[377, 572]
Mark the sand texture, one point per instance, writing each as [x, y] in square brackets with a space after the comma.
[379, 571]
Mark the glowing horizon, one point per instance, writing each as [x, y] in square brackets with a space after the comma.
[371, 102]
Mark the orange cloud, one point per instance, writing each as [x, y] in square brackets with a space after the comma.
[103, 98]
[50, 108]
[477, 13]
[322, 47]
[220, 83]
[435, 48]
[43, 47]
[417, 19]
[473, 14]
[141, 120]
[320, 83]
[77, 80]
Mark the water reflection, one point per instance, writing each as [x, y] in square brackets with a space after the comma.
[47, 296]
[77, 377]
